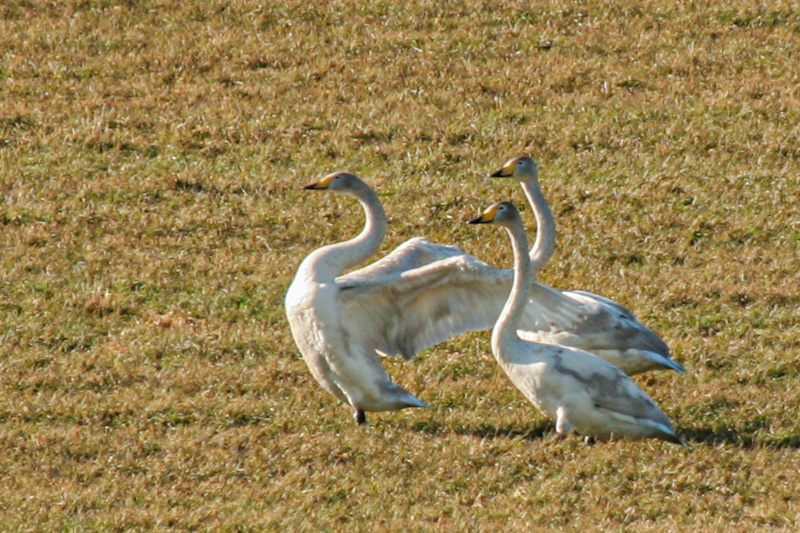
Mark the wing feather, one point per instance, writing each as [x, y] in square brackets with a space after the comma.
[413, 253]
[424, 293]
[610, 388]
[404, 313]
[403, 310]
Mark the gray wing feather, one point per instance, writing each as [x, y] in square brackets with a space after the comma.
[413, 253]
[404, 313]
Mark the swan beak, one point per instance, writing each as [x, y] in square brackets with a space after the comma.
[486, 217]
[322, 184]
[506, 172]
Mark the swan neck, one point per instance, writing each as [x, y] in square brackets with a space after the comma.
[330, 261]
[505, 330]
[545, 243]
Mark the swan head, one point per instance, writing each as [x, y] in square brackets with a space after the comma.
[341, 182]
[521, 168]
[502, 213]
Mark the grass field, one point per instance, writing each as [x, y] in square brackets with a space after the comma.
[152, 155]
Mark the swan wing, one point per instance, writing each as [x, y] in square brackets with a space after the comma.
[403, 313]
[413, 253]
[611, 389]
[423, 293]
[549, 310]
[608, 325]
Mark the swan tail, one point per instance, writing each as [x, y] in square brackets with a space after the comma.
[412, 401]
[663, 363]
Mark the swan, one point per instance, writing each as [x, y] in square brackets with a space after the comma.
[407, 302]
[605, 328]
[578, 389]
[341, 361]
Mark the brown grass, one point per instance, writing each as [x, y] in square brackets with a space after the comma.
[151, 155]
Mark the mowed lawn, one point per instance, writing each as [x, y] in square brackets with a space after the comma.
[152, 157]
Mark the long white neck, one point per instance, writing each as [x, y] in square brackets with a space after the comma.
[330, 261]
[545, 243]
[505, 329]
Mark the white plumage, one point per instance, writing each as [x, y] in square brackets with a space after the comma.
[340, 323]
[340, 359]
[605, 328]
[418, 296]
[572, 318]
[577, 389]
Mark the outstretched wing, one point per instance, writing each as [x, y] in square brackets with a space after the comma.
[413, 253]
[405, 312]
[423, 294]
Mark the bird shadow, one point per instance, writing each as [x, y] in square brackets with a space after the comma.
[740, 437]
[487, 431]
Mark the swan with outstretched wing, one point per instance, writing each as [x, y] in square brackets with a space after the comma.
[341, 323]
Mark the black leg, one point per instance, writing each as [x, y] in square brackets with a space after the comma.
[361, 418]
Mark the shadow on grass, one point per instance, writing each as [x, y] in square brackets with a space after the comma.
[696, 435]
[487, 431]
[743, 438]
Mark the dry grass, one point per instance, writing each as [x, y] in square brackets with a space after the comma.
[151, 156]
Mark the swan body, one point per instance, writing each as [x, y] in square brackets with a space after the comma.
[341, 361]
[604, 328]
[576, 388]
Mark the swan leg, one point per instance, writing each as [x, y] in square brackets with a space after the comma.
[360, 417]
[589, 440]
[563, 425]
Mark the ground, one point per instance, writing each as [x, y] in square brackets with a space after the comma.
[152, 157]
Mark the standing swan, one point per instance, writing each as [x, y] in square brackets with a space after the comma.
[579, 390]
[605, 328]
[400, 305]
[344, 364]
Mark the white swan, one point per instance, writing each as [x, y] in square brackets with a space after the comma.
[338, 358]
[340, 323]
[576, 388]
[605, 328]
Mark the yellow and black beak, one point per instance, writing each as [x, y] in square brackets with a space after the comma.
[505, 172]
[486, 217]
[322, 184]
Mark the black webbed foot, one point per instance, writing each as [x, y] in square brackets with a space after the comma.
[360, 417]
